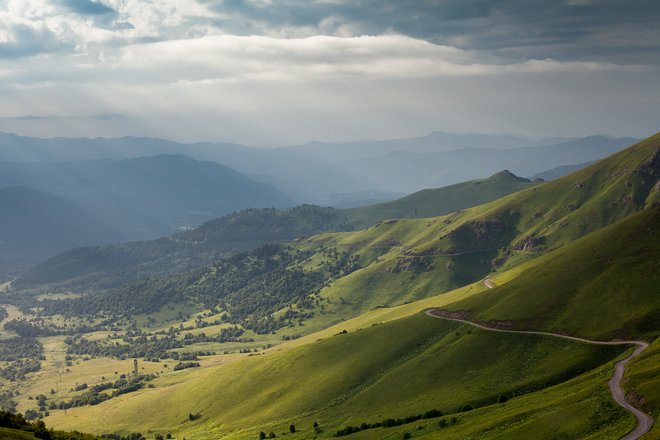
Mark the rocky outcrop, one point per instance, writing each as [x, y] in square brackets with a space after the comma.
[414, 264]
[531, 243]
[486, 230]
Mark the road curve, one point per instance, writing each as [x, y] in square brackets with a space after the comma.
[644, 421]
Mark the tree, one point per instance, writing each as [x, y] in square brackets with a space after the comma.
[262, 435]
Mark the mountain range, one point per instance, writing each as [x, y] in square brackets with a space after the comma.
[49, 207]
[575, 256]
[106, 266]
[317, 172]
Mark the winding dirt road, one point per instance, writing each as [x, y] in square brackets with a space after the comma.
[644, 421]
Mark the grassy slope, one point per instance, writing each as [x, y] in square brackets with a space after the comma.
[15, 434]
[439, 201]
[391, 370]
[409, 365]
[459, 247]
[393, 367]
[610, 276]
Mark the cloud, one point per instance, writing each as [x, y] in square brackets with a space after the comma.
[518, 29]
[87, 7]
[291, 70]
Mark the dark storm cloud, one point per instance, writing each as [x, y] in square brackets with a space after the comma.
[87, 7]
[614, 30]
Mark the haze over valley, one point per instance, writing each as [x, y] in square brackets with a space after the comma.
[313, 220]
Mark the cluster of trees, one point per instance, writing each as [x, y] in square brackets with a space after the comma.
[150, 348]
[388, 423]
[39, 430]
[22, 356]
[26, 329]
[131, 436]
[184, 365]
[97, 394]
[20, 348]
[249, 287]
[7, 402]
[229, 334]
[140, 347]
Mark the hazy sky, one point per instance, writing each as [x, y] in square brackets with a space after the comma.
[270, 72]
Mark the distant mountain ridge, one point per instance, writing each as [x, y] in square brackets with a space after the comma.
[313, 172]
[155, 192]
[48, 207]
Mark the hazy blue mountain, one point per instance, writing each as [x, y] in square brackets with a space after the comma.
[409, 171]
[361, 198]
[147, 196]
[433, 142]
[557, 172]
[30, 214]
[313, 172]
[35, 225]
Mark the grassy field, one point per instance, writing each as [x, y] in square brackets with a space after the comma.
[394, 362]
[396, 369]
[15, 434]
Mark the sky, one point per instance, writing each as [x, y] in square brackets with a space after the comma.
[280, 72]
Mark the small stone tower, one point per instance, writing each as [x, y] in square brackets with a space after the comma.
[135, 366]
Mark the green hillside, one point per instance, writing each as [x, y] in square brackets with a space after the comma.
[410, 365]
[405, 367]
[435, 202]
[320, 280]
[610, 276]
[578, 255]
[109, 266]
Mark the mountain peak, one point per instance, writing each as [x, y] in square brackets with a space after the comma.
[507, 175]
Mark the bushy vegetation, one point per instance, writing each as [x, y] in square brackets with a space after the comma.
[96, 393]
[38, 428]
[22, 356]
[26, 329]
[388, 423]
[184, 365]
[249, 287]
[20, 348]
